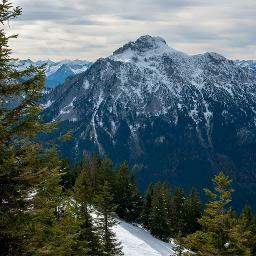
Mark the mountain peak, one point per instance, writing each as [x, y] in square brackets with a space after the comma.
[144, 47]
[143, 44]
[150, 42]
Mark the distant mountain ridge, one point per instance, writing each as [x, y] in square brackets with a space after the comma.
[57, 72]
[171, 115]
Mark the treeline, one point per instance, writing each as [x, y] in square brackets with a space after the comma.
[163, 212]
[213, 228]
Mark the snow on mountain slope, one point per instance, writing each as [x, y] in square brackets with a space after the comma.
[250, 64]
[138, 242]
[56, 72]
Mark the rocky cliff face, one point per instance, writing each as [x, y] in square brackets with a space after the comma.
[171, 115]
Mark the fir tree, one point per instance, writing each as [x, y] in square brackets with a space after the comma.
[30, 175]
[241, 238]
[220, 233]
[158, 218]
[64, 238]
[83, 195]
[177, 213]
[192, 212]
[45, 199]
[105, 221]
[147, 205]
[19, 124]
[103, 172]
[126, 195]
[242, 234]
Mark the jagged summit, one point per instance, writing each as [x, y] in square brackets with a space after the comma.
[145, 43]
[142, 46]
[150, 40]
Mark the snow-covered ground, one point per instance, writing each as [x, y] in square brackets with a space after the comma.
[138, 242]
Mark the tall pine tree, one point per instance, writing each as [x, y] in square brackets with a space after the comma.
[177, 212]
[19, 123]
[192, 213]
[126, 195]
[147, 206]
[84, 197]
[221, 234]
[158, 217]
[105, 221]
[30, 174]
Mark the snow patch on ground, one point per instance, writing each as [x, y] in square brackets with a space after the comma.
[67, 109]
[138, 242]
[86, 84]
[47, 104]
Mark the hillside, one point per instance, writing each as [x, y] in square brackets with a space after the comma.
[138, 242]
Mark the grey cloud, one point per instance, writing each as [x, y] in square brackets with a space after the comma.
[95, 28]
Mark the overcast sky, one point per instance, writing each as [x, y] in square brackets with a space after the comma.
[89, 29]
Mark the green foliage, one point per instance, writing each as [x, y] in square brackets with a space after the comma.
[36, 218]
[105, 221]
[178, 246]
[126, 195]
[158, 217]
[84, 196]
[19, 124]
[168, 214]
[222, 233]
[177, 213]
[147, 205]
[44, 198]
[192, 213]
[63, 234]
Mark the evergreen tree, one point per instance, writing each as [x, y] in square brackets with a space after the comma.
[64, 239]
[105, 221]
[147, 205]
[253, 229]
[220, 233]
[83, 195]
[103, 172]
[91, 164]
[126, 195]
[241, 239]
[158, 218]
[45, 199]
[68, 178]
[19, 124]
[192, 212]
[177, 213]
[242, 233]
[136, 201]
[30, 174]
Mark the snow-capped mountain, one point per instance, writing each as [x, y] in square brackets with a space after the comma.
[172, 115]
[57, 72]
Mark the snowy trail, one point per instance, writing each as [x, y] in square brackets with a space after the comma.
[138, 242]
